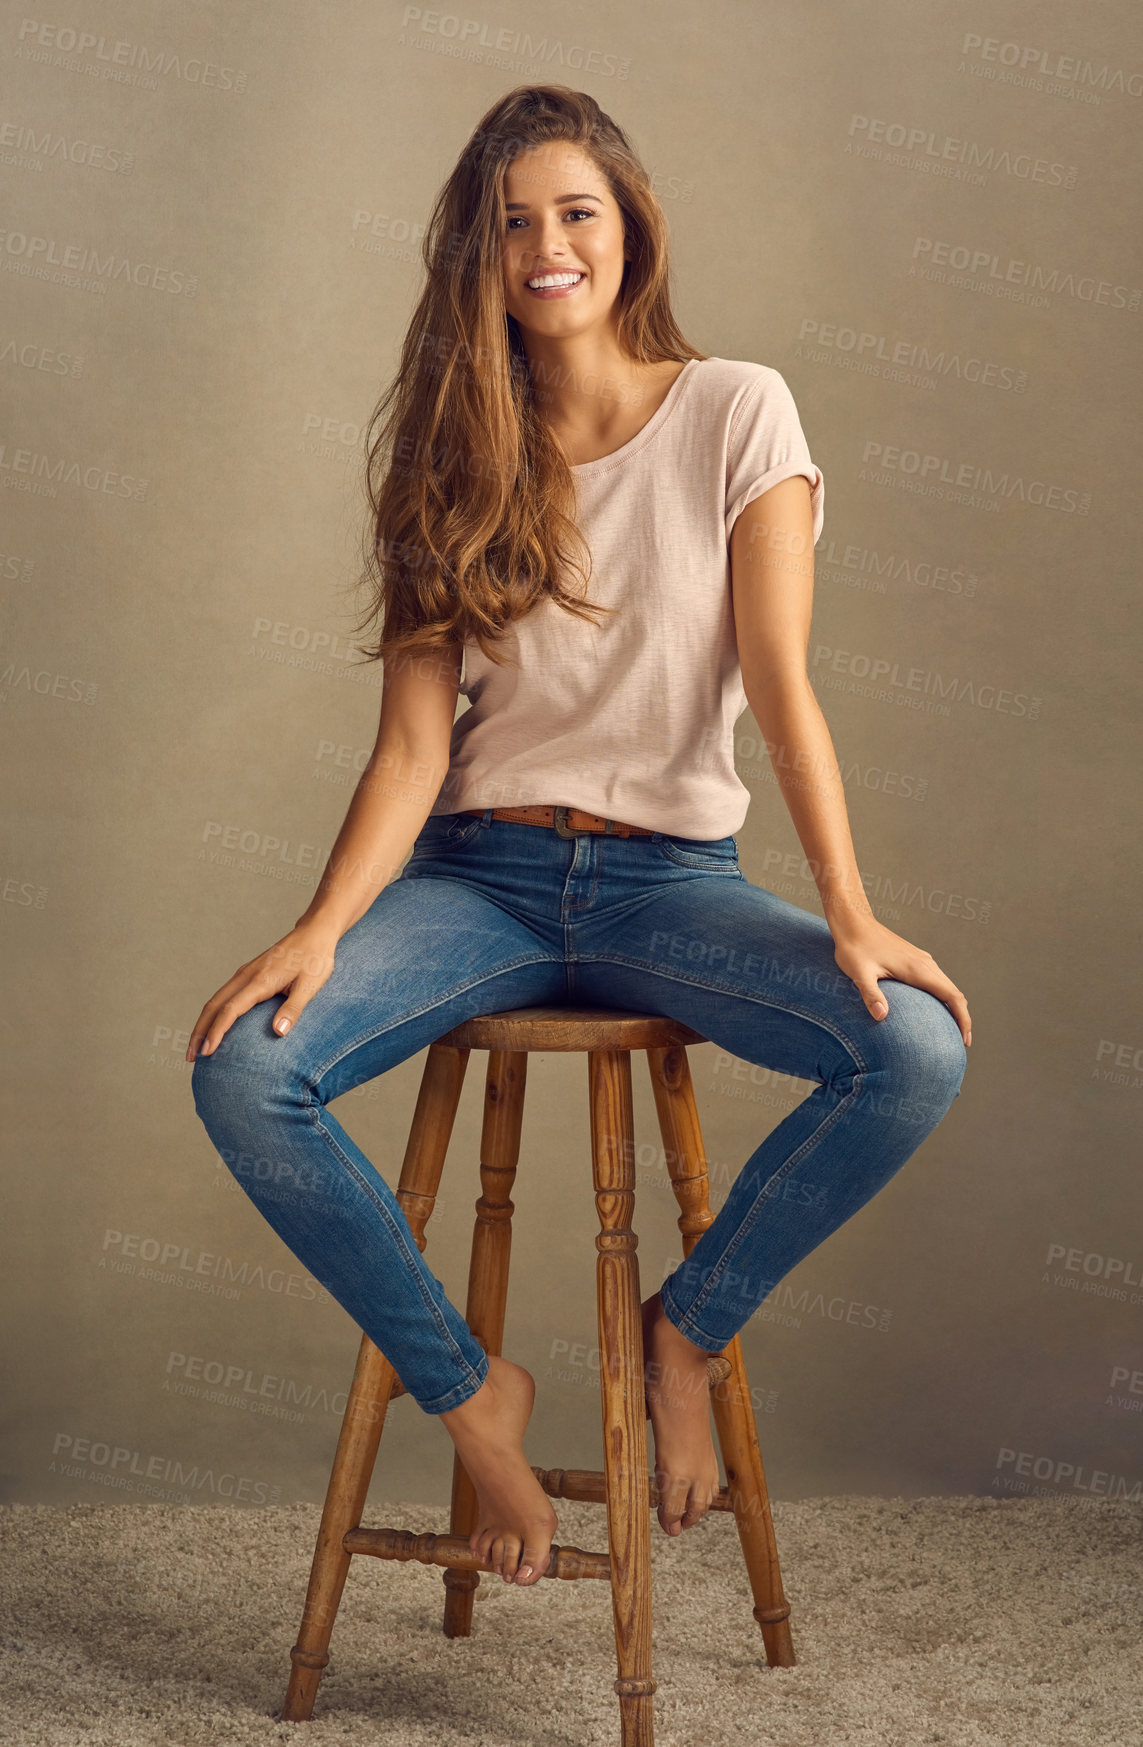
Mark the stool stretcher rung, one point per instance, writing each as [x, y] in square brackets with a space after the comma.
[589, 1486]
[430, 1549]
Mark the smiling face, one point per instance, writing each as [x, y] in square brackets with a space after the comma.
[563, 242]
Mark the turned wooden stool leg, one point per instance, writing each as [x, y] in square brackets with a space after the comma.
[621, 1372]
[733, 1414]
[487, 1285]
[369, 1395]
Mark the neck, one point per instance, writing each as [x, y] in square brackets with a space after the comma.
[584, 382]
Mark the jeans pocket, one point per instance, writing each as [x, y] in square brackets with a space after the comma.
[713, 855]
[444, 831]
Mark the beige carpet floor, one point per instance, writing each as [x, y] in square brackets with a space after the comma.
[960, 1621]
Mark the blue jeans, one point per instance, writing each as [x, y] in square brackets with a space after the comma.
[489, 914]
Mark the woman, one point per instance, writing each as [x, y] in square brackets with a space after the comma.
[572, 833]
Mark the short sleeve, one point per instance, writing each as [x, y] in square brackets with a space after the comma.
[765, 445]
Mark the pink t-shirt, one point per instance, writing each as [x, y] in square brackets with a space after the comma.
[633, 716]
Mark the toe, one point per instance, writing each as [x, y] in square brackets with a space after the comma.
[535, 1557]
[697, 1508]
[672, 1504]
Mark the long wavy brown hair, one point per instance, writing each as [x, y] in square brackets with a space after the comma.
[472, 499]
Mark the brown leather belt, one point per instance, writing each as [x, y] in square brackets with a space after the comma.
[568, 821]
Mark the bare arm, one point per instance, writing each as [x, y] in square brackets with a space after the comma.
[772, 577]
[395, 790]
[390, 804]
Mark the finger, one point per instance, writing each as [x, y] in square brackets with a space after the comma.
[954, 1000]
[874, 998]
[933, 979]
[202, 1029]
[299, 997]
[260, 988]
[958, 1007]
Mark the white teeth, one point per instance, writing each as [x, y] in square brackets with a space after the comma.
[553, 279]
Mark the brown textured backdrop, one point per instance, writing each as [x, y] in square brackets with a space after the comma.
[209, 255]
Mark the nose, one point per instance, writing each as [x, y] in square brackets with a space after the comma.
[548, 252]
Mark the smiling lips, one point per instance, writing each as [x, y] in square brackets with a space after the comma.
[553, 284]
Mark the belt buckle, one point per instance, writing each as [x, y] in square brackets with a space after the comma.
[563, 829]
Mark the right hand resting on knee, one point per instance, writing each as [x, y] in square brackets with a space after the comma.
[297, 965]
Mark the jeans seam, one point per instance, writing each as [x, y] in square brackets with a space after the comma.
[400, 1237]
[796, 1157]
[316, 1108]
[683, 1321]
[571, 960]
[434, 1406]
[828, 1121]
[515, 964]
[721, 866]
[732, 989]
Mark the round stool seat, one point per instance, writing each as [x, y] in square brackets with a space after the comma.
[569, 1028]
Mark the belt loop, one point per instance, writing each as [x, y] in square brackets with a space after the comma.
[486, 818]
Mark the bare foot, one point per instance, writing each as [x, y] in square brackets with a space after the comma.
[515, 1521]
[678, 1395]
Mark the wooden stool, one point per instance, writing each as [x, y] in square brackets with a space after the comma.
[625, 1485]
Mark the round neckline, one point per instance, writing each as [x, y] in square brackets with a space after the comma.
[658, 418]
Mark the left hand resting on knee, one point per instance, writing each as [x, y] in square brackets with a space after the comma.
[867, 950]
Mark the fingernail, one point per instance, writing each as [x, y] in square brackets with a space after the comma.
[283, 1027]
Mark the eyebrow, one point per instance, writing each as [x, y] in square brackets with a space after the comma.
[522, 205]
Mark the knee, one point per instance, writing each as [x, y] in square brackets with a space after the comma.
[920, 1049]
[252, 1069]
